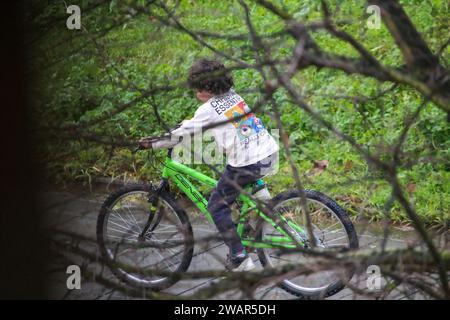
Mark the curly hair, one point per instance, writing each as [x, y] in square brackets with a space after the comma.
[211, 76]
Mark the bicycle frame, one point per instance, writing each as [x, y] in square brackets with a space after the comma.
[178, 173]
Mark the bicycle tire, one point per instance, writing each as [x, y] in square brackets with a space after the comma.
[186, 230]
[344, 218]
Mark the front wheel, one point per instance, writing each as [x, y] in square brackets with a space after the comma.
[143, 241]
[332, 229]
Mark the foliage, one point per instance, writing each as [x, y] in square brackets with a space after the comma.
[78, 84]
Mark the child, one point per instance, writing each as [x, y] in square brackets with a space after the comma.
[251, 151]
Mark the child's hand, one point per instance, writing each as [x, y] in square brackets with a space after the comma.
[146, 143]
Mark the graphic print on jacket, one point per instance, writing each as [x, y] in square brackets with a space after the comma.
[239, 134]
[248, 126]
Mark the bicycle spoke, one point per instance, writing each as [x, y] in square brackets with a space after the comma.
[121, 218]
[122, 227]
[326, 227]
[134, 219]
[160, 249]
[333, 240]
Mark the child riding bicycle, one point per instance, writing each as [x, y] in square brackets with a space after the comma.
[250, 150]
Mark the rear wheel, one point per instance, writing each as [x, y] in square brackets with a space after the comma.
[332, 229]
[144, 259]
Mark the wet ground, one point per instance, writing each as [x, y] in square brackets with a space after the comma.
[76, 211]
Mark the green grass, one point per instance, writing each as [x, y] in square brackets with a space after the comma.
[85, 86]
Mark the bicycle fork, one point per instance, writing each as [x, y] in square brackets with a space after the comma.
[153, 201]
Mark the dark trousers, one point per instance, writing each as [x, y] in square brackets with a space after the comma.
[225, 194]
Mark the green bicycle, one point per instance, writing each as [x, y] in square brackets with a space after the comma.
[143, 226]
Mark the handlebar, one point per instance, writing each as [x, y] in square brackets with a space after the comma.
[138, 148]
[150, 141]
[141, 147]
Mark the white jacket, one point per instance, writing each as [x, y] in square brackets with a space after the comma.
[241, 134]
